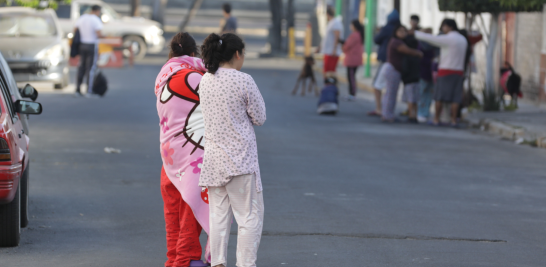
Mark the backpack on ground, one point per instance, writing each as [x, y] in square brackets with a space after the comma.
[75, 46]
[100, 84]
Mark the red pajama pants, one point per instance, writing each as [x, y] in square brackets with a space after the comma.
[183, 230]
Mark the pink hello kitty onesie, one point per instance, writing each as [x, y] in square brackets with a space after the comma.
[181, 133]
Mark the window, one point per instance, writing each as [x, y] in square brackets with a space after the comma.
[84, 9]
[63, 11]
[25, 24]
[7, 96]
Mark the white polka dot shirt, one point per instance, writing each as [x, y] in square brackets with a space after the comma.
[231, 104]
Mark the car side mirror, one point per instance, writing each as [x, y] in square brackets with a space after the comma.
[29, 92]
[28, 107]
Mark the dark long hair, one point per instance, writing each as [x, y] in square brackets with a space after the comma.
[468, 53]
[396, 29]
[451, 23]
[183, 44]
[359, 28]
[220, 49]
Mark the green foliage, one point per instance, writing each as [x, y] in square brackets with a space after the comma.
[491, 6]
[35, 3]
[511, 107]
[525, 4]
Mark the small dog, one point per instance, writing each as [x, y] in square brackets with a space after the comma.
[307, 73]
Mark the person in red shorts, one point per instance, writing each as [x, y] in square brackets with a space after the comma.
[186, 207]
[330, 46]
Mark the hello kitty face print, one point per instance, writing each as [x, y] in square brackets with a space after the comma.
[185, 86]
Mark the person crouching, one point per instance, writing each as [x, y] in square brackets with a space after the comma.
[328, 103]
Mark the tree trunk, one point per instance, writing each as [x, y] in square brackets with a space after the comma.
[135, 8]
[275, 37]
[158, 10]
[195, 5]
[490, 54]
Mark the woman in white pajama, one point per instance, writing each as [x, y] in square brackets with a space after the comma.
[231, 104]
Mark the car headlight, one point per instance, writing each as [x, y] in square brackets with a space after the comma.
[154, 30]
[54, 54]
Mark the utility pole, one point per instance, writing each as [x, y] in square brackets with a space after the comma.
[370, 21]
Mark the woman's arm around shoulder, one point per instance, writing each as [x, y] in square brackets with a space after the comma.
[255, 105]
[435, 40]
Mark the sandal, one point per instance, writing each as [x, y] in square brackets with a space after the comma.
[374, 114]
[198, 264]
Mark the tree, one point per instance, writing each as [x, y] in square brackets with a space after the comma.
[494, 7]
[34, 3]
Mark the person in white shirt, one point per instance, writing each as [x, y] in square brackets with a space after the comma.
[453, 54]
[89, 26]
[330, 46]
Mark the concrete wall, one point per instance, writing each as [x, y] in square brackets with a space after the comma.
[527, 54]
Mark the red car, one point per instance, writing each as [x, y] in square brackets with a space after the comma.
[14, 143]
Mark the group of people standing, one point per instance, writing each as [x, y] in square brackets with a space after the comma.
[431, 67]
[333, 46]
[207, 109]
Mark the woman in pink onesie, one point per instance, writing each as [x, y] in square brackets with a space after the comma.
[181, 136]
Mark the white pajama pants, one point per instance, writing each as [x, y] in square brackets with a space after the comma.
[240, 198]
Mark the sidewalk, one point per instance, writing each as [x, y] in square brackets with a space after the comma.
[527, 125]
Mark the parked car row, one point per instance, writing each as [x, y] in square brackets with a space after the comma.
[33, 45]
[35, 42]
[14, 156]
[142, 35]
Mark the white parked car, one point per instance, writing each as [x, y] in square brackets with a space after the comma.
[32, 43]
[142, 35]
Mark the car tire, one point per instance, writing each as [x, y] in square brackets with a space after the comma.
[25, 188]
[138, 43]
[64, 82]
[10, 225]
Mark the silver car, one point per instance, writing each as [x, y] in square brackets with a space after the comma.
[142, 35]
[33, 45]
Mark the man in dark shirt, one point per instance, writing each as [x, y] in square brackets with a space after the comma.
[231, 22]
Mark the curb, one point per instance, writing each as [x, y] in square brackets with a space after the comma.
[517, 134]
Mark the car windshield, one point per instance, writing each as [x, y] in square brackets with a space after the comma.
[63, 11]
[25, 24]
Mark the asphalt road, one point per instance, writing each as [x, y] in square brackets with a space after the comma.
[339, 191]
